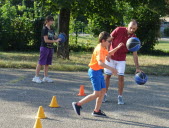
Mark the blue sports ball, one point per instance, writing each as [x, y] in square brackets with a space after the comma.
[133, 44]
[140, 78]
[63, 37]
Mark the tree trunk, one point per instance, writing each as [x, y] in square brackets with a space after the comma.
[63, 48]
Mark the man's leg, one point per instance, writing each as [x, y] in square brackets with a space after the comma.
[120, 89]
[120, 84]
[108, 74]
[107, 80]
[121, 69]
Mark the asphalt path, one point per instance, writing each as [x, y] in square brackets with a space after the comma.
[146, 106]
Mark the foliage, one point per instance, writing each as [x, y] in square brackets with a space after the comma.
[7, 13]
[19, 27]
[21, 21]
[147, 13]
[166, 32]
[104, 17]
[97, 25]
[148, 31]
[85, 43]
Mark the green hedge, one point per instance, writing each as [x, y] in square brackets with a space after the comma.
[166, 32]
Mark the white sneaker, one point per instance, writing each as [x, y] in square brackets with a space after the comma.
[37, 80]
[47, 79]
[120, 100]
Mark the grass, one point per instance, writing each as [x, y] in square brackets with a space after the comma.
[78, 61]
[163, 45]
[154, 65]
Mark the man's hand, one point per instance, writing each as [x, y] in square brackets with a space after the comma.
[114, 71]
[108, 58]
[138, 70]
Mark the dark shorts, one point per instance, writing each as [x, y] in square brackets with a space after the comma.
[46, 55]
[97, 79]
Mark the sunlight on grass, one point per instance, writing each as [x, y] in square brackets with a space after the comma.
[156, 65]
[162, 45]
[78, 61]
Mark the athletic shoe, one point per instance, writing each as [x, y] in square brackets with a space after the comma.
[76, 108]
[47, 79]
[120, 100]
[104, 98]
[99, 114]
[37, 80]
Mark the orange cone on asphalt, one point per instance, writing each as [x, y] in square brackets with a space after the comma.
[54, 103]
[81, 91]
[38, 123]
[41, 113]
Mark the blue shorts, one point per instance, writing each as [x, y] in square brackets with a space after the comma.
[97, 79]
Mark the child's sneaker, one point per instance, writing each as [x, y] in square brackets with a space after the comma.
[104, 98]
[99, 114]
[76, 108]
[120, 100]
[47, 79]
[37, 80]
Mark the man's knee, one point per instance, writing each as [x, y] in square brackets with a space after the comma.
[121, 80]
[107, 77]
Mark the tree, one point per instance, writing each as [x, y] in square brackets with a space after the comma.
[75, 8]
[63, 48]
[101, 15]
[147, 13]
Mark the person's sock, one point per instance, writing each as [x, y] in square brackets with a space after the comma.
[119, 95]
[96, 110]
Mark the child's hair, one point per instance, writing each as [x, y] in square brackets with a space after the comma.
[48, 18]
[103, 36]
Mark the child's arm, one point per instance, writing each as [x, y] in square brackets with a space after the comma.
[50, 41]
[115, 49]
[114, 71]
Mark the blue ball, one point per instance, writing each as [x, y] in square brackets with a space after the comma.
[133, 44]
[62, 37]
[140, 78]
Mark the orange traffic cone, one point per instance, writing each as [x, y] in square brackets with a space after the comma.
[41, 113]
[38, 123]
[54, 103]
[81, 91]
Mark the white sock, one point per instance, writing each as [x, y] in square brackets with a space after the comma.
[119, 95]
